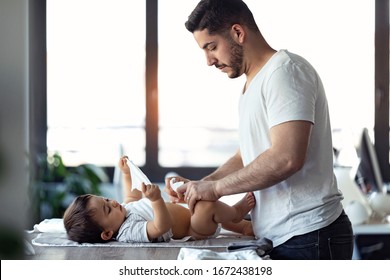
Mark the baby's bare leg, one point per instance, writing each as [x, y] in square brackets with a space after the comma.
[244, 206]
[207, 214]
[243, 227]
[181, 217]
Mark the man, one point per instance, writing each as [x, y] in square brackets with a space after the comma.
[285, 156]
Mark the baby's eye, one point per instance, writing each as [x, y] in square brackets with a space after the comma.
[107, 209]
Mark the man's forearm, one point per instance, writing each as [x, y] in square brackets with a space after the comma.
[268, 169]
[286, 156]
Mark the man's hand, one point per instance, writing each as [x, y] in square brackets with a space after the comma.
[193, 191]
[173, 195]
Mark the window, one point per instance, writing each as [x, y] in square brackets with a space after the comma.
[382, 71]
[100, 95]
[337, 38]
[190, 93]
[95, 80]
[198, 105]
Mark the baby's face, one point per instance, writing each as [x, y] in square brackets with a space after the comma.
[108, 213]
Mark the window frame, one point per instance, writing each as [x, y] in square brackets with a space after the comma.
[381, 130]
[152, 168]
[38, 86]
[38, 91]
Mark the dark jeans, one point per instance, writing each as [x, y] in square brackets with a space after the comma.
[333, 242]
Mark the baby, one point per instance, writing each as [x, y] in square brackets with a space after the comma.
[146, 217]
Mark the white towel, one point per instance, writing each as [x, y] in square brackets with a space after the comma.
[205, 254]
[137, 176]
[175, 185]
[54, 225]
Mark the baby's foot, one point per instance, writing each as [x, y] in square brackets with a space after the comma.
[247, 228]
[244, 206]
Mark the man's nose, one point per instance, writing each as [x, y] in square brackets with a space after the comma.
[210, 60]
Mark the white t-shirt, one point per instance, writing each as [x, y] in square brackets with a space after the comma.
[133, 228]
[288, 88]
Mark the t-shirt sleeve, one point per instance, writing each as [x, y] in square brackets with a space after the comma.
[133, 229]
[291, 94]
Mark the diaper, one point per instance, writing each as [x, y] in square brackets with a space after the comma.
[216, 233]
[166, 237]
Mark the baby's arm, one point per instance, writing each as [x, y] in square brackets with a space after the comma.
[129, 193]
[162, 219]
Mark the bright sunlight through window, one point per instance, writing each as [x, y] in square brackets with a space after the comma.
[96, 64]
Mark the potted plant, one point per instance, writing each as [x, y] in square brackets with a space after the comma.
[58, 185]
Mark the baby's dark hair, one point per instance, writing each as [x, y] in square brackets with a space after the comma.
[217, 16]
[79, 222]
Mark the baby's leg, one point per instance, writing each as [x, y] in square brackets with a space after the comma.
[243, 227]
[207, 214]
[243, 207]
[181, 217]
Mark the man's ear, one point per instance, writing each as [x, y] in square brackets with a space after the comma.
[106, 235]
[238, 33]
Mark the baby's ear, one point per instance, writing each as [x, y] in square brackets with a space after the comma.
[106, 235]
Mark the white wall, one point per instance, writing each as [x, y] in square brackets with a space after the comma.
[14, 123]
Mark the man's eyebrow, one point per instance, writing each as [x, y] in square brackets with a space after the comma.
[207, 44]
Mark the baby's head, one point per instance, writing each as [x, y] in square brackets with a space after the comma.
[93, 219]
[79, 221]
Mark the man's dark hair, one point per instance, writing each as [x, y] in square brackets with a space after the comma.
[217, 16]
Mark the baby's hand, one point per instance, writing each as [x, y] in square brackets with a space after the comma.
[152, 192]
[123, 165]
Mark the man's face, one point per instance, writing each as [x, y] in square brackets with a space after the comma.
[223, 53]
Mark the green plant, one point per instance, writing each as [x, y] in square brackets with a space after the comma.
[58, 184]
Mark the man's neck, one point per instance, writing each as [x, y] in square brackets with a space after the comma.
[258, 62]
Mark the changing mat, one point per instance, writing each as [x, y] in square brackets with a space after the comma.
[51, 232]
[204, 254]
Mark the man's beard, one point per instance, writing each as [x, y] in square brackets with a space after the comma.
[236, 59]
